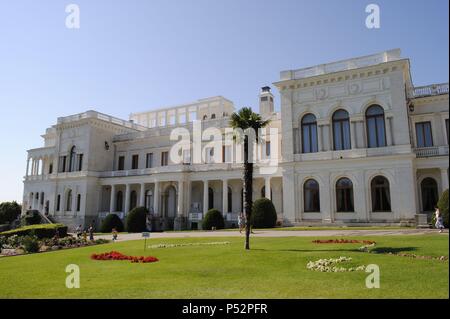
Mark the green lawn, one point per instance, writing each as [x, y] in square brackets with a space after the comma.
[274, 268]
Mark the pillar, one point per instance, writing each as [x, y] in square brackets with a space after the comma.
[353, 135]
[127, 199]
[225, 207]
[319, 138]
[267, 187]
[156, 199]
[180, 202]
[444, 178]
[142, 196]
[28, 167]
[112, 201]
[389, 136]
[205, 197]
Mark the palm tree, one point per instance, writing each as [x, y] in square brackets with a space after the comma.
[245, 119]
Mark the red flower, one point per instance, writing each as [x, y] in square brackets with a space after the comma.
[115, 255]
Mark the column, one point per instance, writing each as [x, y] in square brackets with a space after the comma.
[205, 197]
[180, 198]
[267, 187]
[127, 199]
[156, 199]
[28, 167]
[188, 197]
[389, 136]
[112, 201]
[444, 178]
[225, 207]
[319, 138]
[142, 196]
[353, 135]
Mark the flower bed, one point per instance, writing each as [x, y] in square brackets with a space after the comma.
[329, 265]
[343, 241]
[115, 255]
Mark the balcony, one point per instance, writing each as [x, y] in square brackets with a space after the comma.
[425, 152]
[429, 90]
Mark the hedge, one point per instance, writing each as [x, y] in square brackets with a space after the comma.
[40, 231]
[111, 221]
[137, 220]
[264, 214]
[213, 218]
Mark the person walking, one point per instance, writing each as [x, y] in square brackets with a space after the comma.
[91, 232]
[114, 234]
[79, 231]
[439, 220]
[241, 222]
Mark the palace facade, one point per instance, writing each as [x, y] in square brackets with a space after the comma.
[357, 143]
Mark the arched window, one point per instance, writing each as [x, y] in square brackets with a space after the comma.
[78, 202]
[311, 196]
[309, 134]
[230, 199]
[69, 201]
[119, 201]
[213, 116]
[376, 132]
[263, 192]
[341, 130]
[344, 195]
[210, 198]
[133, 199]
[205, 117]
[72, 159]
[429, 191]
[381, 194]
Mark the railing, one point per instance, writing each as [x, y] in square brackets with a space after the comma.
[100, 116]
[431, 151]
[430, 90]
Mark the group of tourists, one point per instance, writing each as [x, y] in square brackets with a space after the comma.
[83, 233]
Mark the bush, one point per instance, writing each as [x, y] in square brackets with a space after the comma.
[9, 211]
[30, 244]
[213, 218]
[32, 217]
[40, 231]
[111, 221]
[443, 207]
[264, 214]
[137, 220]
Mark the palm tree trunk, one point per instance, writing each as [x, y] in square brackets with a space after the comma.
[248, 189]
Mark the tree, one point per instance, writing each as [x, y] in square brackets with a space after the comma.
[9, 211]
[245, 119]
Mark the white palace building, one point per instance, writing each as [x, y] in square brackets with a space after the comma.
[359, 144]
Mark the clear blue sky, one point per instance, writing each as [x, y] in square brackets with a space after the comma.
[135, 55]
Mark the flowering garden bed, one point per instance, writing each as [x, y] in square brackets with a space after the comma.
[115, 255]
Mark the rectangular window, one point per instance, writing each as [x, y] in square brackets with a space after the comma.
[50, 169]
[268, 148]
[121, 163]
[149, 160]
[424, 135]
[164, 158]
[80, 162]
[58, 203]
[135, 162]
[78, 202]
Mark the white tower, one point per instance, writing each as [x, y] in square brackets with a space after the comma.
[266, 102]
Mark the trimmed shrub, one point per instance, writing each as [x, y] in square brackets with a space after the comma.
[30, 244]
[9, 211]
[137, 220]
[443, 207]
[264, 214]
[32, 217]
[111, 221]
[213, 218]
[40, 231]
